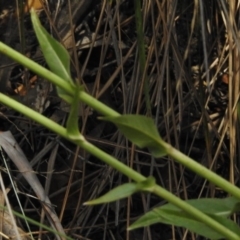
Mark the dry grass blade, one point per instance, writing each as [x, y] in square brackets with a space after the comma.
[15, 153]
[9, 227]
[192, 68]
[233, 93]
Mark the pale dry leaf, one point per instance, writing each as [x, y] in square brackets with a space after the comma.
[8, 228]
[16, 154]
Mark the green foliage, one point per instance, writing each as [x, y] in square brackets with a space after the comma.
[141, 131]
[218, 209]
[141, 53]
[55, 54]
[58, 61]
[206, 217]
[182, 219]
[123, 191]
[72, 122]
[120, 192]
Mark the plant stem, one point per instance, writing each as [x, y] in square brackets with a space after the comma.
[192, 211]
[97, 105]
[141, 53]
[121, 167]
[57, 81]
[35, 116]
[201, 170]
[38, 69]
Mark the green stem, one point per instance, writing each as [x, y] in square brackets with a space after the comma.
[38, 69]
[141, 53]
[35, 116]
[57, 81]
[201, 170]
[113, 162]
[95, 104]
[198, 215]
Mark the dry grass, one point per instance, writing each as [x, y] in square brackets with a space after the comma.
[191, 57]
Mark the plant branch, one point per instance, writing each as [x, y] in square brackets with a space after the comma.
[57, 81]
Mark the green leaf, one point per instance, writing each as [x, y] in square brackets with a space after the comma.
[123, 191]
[141, 131]
[54, 53]
[72, 122]
[176, 219]
[231, 225]
[186, 221]
[170, 217]
[218, 209]
[147, 185]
